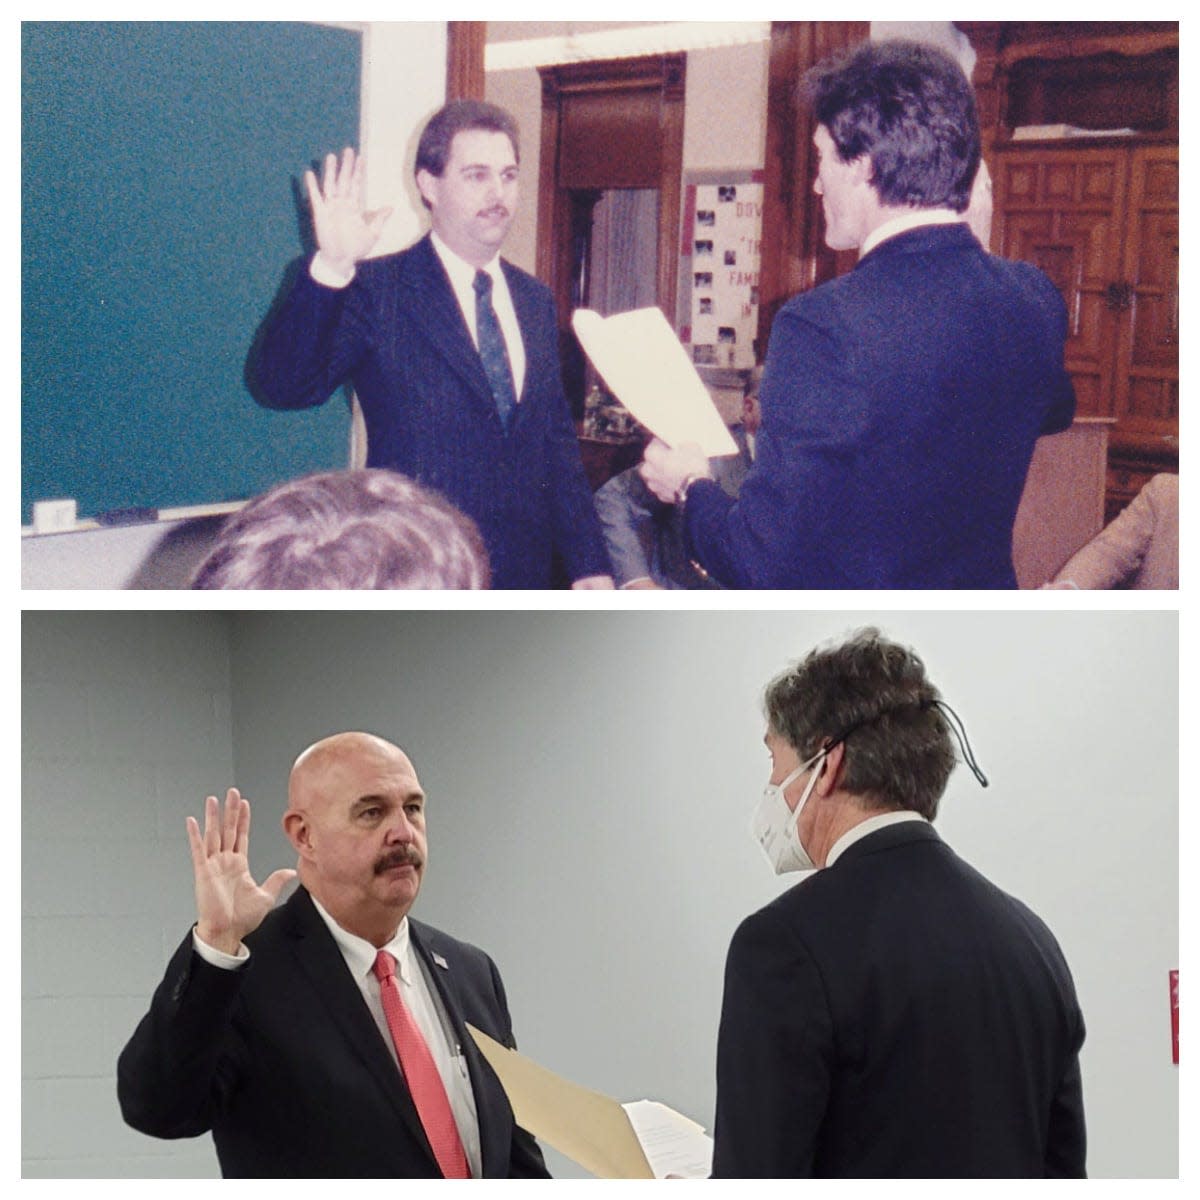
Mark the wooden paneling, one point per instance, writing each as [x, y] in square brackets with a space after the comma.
[1063, 211]
[465, 43]
[1103, 223]
[795, 257]
[1147, 370]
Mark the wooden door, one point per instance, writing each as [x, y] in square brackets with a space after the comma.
[1146, 373]
[611, 124]
[1064, 211]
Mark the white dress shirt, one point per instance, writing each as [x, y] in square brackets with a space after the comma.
[421, 997]
[907, 221]
[868, 826]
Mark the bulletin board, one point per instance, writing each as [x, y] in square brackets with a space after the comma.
[720, 260]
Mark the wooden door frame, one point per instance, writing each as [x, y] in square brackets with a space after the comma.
[792, 224]
[465, 44]
[665, 74]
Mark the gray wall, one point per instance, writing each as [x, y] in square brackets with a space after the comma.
[125, 721]
[590, 777]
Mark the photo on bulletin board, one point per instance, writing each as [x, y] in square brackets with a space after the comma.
[719, 268]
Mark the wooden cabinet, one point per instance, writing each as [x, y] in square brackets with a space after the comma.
[1103, 223]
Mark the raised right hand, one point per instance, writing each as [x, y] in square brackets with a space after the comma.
[345, 231]
[229, 904]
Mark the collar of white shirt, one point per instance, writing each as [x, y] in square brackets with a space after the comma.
[461, 272]
[902, 224]
[870, 825]
[360, 954]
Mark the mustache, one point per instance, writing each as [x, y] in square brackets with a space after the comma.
[402, 856]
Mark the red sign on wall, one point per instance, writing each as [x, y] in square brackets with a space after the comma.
[1174, 977]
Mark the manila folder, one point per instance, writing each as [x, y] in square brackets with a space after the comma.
[586, 1126]
[648, 370]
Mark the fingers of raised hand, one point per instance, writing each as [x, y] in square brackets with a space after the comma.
[341, 180]
[229, 831]
[229, 826]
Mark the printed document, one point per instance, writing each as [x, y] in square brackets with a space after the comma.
[647, 369]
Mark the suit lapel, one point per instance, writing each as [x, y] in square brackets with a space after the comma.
[494, 1140]
[441, 321]
[321, 962]
[527, 316]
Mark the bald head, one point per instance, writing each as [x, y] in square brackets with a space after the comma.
[318, 768]
[356, 817]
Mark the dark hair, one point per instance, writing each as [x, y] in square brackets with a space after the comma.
[910, 107]
[347, 529]
[433, 150]
[872, 694]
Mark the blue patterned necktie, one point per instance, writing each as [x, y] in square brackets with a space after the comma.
[492, 349]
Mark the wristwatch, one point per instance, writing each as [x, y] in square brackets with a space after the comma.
[681, 492]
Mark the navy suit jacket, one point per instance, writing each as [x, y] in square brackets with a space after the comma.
[900, 407]
[283, 1062]
[398, 334]
[897, 1014]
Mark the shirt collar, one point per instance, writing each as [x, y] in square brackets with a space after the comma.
[360, 954]
[905, 222]
[461, 272]
[870, 825]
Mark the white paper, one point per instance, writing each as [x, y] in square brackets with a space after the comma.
[675, 1147]
[648, 370]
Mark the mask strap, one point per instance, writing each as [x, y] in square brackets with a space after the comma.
[960, 733]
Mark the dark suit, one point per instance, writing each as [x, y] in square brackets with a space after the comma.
[283, 1061]
[397, 332]
[900, 407]
[898, 1015]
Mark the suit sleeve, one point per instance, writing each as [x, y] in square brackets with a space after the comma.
[814, 419]
[1060, 408]
[1066, 1139]
[176, 1072]
[774, 1056]
[1116, 553]
[311, 342]
[577, 534]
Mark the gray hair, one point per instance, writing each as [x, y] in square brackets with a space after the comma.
[873, 696]
[365, 529]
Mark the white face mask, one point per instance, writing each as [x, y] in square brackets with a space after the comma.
[774, 825]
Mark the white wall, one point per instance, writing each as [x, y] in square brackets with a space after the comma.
[404, 83]
[125, 721]
[590, 777]
[724, 122]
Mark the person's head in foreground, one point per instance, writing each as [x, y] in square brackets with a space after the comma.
[365, 529]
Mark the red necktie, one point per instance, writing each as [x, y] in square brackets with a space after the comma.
[421, 1074]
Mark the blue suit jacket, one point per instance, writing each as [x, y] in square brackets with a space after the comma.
[900, 407]
[283, 1062]
[397, 332]
[897, 1014]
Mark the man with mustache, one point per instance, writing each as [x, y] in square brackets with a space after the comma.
[452, 352]
[326, 1038]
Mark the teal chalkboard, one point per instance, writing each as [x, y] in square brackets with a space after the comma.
[160, 171]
